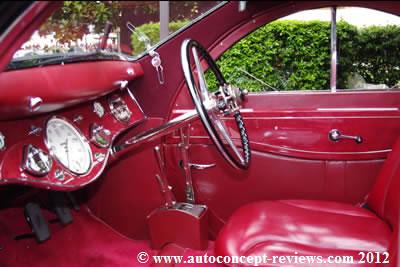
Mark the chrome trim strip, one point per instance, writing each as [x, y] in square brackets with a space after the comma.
[333, 50]
[172, 35]
[357, 109]
[332, 117]
[283, 149]
[246, 110]
[180, 111]
[155, 132]
[316, 118]
[322, 152]
[251, 110]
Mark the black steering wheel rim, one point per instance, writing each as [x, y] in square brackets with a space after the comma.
[235, 161]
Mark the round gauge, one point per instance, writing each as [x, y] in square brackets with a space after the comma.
[100, 136]
[119, 109]
[68, 146]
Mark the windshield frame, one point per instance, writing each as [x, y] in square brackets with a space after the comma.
[61, 58]
[172, 35]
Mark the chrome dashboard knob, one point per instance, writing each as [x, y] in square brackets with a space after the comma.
[36, 161]
[35, 103]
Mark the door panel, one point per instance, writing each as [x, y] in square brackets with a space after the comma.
[305, 134]
[292, 154]
[298, 124]
[274, 177]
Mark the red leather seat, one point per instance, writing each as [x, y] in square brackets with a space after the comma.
[318, 228]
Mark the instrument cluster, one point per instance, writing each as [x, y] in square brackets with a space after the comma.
[68, 150]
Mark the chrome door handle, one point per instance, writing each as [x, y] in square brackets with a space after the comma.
[335, 136]
[201, 166]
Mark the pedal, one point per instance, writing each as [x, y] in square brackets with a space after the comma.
[73, 201]
[38, 223]
[60, 207]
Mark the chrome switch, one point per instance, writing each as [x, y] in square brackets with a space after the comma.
[36, 161]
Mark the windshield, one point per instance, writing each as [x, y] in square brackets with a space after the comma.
[89, 30]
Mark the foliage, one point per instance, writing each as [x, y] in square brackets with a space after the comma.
[286, 55]
[72, 20]
[152, 30]
[292, 55]
[378, 54]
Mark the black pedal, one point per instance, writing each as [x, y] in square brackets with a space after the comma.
[34, 217]
[60, 207]
[73, 201]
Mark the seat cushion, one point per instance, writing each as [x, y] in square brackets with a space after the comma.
[302, 227]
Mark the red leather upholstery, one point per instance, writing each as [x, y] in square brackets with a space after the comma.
[384, 198]
[319, 228]
[281, 228]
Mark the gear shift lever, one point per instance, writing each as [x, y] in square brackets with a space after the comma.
[191, 218]
[165, 189]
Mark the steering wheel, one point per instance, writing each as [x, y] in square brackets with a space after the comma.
[215, 107]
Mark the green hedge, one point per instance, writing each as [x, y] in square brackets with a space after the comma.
[292, 55]
[378, 54]
[152, 30]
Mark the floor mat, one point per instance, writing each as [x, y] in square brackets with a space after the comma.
[86, 242]
[188, 256]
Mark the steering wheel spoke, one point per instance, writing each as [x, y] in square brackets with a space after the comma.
[200, 75]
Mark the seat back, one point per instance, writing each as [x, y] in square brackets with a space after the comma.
[384, 198]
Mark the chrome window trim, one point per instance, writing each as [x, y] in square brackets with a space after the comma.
[175, 33]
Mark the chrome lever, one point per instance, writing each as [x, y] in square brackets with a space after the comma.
[335, 136]
[185, 164]
[165, 188]
[160, 161]
[201, 166]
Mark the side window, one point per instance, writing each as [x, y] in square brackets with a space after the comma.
[159, 19]
[370, 58]
[294, 52]
[79, 26]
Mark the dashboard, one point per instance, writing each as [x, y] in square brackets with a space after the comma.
[67, 148]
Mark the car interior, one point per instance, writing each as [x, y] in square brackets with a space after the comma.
[109, 159]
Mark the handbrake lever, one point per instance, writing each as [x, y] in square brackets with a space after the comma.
[165, 188]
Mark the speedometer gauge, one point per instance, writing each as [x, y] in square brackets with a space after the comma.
[68, 145]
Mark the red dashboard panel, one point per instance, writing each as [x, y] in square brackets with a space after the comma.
[20, 133]
[60, 86]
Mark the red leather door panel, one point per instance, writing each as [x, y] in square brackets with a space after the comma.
[271, 176]
[292, 154]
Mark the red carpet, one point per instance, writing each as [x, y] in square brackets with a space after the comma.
[85, 242]
[187, 255]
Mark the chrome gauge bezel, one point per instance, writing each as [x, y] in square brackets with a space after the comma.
[98, 109]
[114, 110]
[29, 152]
[95, 130]
[3, 143]
[79, 134]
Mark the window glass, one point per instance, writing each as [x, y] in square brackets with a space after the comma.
[78, 26]
[293, 53]
[370, 58]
